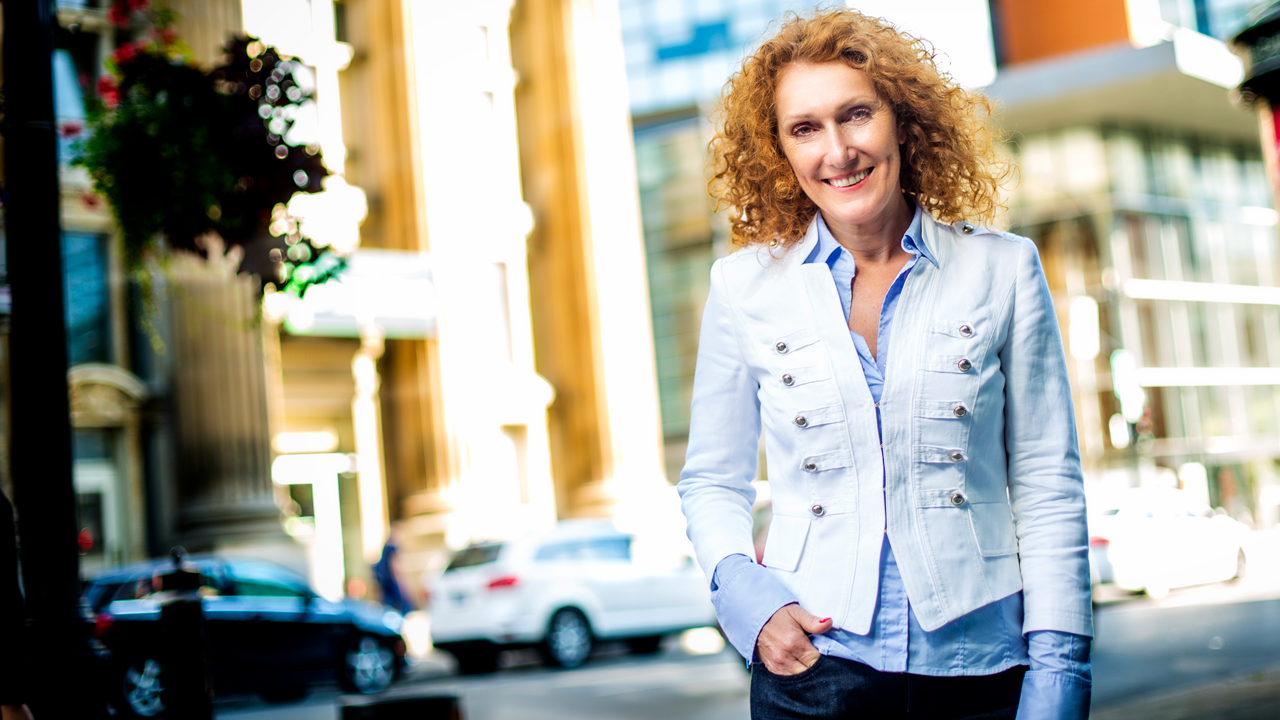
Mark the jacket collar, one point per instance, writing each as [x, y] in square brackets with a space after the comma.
[815, 247]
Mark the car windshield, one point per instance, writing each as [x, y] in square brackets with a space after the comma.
[263, 579]
[475, 555]
[610, 548]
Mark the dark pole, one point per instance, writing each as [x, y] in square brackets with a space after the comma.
[61, 683]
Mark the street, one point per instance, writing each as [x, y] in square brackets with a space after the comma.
[1144, 650]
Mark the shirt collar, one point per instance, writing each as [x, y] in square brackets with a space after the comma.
[828, 248]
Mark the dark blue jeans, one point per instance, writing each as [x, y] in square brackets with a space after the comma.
[839, 688]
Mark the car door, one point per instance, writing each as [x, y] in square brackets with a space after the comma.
[263, 629]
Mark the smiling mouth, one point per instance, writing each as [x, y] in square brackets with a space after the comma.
[849, 179]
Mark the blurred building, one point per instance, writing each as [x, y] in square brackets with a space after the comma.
[1144, 186]
[483, 367]
[679, 56]
[1141, 181]
[171, 440]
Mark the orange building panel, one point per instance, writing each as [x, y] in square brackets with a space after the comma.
[1034, 29]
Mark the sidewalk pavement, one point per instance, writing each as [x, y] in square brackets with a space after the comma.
[1250, 697]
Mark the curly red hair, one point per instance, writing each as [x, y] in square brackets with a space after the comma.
[951, 164]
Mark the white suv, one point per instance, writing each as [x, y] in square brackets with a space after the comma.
[560, 591]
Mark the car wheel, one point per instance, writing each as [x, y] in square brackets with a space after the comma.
[568, 640]
[647, 645]
[476, 661]
[368, 666]
[141, 689]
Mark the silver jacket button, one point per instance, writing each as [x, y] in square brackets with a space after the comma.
[964, 365]
[817, 510]
[960, 411]
[788, 380]
[966, 228]
[802, 421]
[781, 347]
[811, 466]
[956, 456]
[966, 331]
[957, 499]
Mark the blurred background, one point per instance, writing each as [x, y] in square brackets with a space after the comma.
[517, 191]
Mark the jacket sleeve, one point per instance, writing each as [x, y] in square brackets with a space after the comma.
[715, 485]
[1046, 488]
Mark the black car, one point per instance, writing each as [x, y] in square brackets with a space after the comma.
[267, 631]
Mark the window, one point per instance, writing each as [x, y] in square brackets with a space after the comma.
[266, 580]
[474, 555]
[613, 548]
[88, 307]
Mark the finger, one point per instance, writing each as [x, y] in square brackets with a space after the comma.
[812, 624]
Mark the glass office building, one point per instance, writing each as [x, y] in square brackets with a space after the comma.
[679, 55]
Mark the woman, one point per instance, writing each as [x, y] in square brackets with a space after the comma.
[928, 539]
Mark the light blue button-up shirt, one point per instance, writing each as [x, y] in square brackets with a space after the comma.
[985, 641]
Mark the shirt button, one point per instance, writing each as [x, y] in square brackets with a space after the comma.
[966, 228]
[957, 499]
[811, 466]
[817, 510]
[788, 380]
[964, 365]
[801, 421]
[957, 456]
[781, 347]
[960, 411]
[966, 331]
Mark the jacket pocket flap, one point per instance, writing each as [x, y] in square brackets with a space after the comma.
[791, 342]
[993, 528]
[951, 364]
[819, 416]
[952, 328]
[785, 543]
[804, 375]
[939, 498]
[936, 454]
[945, 410]
[827, 461]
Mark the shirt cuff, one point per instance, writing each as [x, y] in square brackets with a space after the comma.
[1059, 684]
[745, 596]
[1060, 652]
[1048, 695]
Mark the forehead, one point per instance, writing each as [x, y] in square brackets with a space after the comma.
[809, 88]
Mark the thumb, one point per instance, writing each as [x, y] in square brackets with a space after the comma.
[811, 623]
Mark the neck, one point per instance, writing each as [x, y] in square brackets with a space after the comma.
[878, 241]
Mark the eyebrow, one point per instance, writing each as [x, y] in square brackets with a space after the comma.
[847, 105]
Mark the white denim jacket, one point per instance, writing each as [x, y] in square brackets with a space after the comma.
[980, 489]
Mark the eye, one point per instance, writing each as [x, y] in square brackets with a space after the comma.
[859, 114]
[802, 130]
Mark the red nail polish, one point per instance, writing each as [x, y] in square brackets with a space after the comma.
[825, 620]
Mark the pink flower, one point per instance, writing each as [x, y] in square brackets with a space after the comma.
[125, 53]
[108, 91]
[119, 13]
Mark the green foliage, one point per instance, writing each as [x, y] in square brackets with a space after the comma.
[179, 153]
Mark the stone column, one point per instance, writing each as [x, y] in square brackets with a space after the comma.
[224, 491]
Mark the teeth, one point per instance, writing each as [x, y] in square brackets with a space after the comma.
[851, 180]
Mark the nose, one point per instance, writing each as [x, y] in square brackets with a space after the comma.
[838, 150]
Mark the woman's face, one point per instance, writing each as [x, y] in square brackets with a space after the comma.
[842, 142]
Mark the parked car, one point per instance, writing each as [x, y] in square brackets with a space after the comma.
[563, 590]
[267, 632]
[1162, 538]
[1102, 509]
